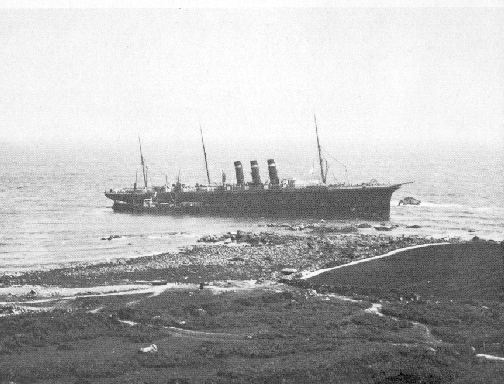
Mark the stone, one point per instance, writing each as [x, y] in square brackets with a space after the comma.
[384, 228]
[288, 271]
[409, 201]
[150, 349]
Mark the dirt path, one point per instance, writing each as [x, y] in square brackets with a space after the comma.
[307, 275]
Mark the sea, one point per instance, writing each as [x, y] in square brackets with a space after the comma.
[53, 211]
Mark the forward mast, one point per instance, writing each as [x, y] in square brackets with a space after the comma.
[323, 174]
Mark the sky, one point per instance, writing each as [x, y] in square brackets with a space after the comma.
[382, 75]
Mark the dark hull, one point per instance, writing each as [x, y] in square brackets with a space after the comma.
[358, 202]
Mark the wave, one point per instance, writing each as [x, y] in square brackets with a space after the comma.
[456, 206]
[147, 235]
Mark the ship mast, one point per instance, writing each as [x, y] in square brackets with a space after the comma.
[204, 153]
[321, 161]
[143, 163]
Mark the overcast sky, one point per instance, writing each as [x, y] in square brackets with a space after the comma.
[369, 74]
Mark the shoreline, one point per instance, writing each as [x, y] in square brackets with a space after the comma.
[15, 266]
[259, 256]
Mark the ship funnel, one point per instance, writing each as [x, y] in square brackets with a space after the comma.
[240, 179]
[256, 179]
[273, 174]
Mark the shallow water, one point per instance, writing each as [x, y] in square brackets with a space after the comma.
[53, 210]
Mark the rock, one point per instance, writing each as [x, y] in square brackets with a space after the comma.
[413, 226]
[178, 380]
[150, 349]
[111, 237]
[333, 229]
[409, 201]
[212, 238]
[288, 271]
[384, 228]
[475, 238]
[364, 225]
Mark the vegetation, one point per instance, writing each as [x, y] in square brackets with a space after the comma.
[434, 309]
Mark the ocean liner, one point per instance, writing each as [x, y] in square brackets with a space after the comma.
[274, 197]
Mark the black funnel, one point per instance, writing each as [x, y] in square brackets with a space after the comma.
[273, 173]
[240, 179]
[256, 179]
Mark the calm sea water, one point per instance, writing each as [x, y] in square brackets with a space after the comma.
[53, 210]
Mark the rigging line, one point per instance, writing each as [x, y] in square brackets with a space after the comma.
[335, 159]
[334, 177]
[339, 162]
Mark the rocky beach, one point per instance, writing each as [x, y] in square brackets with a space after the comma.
[232, 256]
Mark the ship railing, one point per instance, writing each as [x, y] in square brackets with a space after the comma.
[207, 188]
[361, 185]
[235, 188]
[129, 191]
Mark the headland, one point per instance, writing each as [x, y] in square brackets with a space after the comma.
[252, 307]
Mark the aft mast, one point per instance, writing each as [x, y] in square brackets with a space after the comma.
[143, 163]
[321, 161]
[204, 154]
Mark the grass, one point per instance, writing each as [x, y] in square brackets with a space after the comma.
[454, 271]
[288, 336]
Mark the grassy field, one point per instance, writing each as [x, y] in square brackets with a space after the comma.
[466, 271]
[455, 292]
[246, 337]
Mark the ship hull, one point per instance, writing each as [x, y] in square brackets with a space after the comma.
[357, 202]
